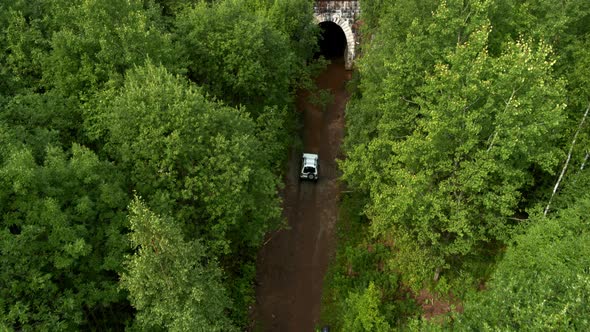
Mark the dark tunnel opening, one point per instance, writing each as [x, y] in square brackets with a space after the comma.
[332, 41]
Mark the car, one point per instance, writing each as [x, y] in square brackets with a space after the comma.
[309, 167]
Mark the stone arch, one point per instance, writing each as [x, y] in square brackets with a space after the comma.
[343, 24]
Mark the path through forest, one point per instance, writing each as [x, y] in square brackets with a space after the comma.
[292, 264]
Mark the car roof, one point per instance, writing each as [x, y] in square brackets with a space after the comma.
[310, 159]
[312, 156]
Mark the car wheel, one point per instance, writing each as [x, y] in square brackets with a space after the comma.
[310, 176]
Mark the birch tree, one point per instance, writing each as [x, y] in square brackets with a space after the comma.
[451, 154]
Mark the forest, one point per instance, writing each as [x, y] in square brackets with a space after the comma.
[466, 164]
[143, 145]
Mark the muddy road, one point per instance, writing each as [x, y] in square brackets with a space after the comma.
[292, 264]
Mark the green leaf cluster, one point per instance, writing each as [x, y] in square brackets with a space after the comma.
[172, 283]
[462, 118]
[189, 105]
[452, 146]
[61, 240]
[243, 53]
[542, 283]
[362, 292]
[363, 314]
[189, 157]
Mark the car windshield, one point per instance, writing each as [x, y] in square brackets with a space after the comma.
[308, 169]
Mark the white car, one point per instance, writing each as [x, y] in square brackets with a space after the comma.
[309, 167]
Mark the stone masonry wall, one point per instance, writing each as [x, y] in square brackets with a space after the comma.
[345, 14]
[347, 10]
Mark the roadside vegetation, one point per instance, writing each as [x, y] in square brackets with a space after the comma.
[467, 158]
[142, 149]
[142, 145]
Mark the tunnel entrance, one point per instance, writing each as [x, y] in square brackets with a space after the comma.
[332, 41]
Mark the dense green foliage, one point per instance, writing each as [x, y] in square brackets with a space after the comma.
[363, 312]
[362, 292]
[241, 55]
[61, 240]
[172, 284]
[543, 281]
[187, 104]
[188, 157]
[462, 117]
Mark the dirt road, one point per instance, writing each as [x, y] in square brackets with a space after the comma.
[292, 265]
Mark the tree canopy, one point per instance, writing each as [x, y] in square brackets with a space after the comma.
[466, 118]
[452, 151]
[542, 282]
[172, 282]
[188, 105]
[61, 240]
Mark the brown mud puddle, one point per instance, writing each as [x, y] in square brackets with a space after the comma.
[293, 262]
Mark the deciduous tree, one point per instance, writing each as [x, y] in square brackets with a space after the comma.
[238, 55]
[61, 241]
[450, 153]
[194, 159]
[542, 283]
[174, 284]
[363, 312]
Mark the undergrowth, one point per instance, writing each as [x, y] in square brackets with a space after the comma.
[359, 266]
